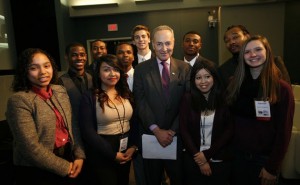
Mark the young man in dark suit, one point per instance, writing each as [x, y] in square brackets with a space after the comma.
[191, 45]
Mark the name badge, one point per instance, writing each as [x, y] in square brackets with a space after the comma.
[123, 144]
[263, 111]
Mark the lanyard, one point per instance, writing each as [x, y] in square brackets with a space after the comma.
[121, 123]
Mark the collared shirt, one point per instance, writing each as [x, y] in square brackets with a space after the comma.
[192, 62]
[80, 81]
[160, 66]
[130, 78]
[144, 58]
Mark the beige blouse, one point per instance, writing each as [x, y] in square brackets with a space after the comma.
[115, 118]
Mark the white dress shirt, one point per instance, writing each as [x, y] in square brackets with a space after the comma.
[192, 62]
[144, 58]
[130, 78]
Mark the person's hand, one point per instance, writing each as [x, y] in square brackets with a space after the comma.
[205, 169]
[127, 156]
[267, 178]
[123, 158]
[164, 137]
[130, 151]
[70, 172]
[200, 158]
[201, 161]
[76, 168]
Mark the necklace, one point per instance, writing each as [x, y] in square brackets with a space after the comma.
[122, 122]
[202, 126]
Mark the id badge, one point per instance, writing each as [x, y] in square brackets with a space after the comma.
[262, 109]
[123, 144]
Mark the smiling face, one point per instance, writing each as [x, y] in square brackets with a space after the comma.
[141, 39]
[204, 81]
[40, 71]
[255, 54]
[109, 76]
[163, 44]
[77, 58]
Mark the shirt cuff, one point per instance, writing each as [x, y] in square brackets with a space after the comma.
[152, 127]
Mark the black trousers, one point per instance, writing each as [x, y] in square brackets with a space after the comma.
[100, 170]
[37, 176]
[113, 174]
[246, 168]
[193, 176]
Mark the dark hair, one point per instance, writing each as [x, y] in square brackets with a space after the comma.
[199, 102]
[97, 40]
[72, 45]
[138, 28]
[241, 27]
[123, 43]
[191, 32]
[121, 86]
[21, 81]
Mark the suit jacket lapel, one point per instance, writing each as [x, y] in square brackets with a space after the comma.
[156, 78]
[60, 107]
[174, 72]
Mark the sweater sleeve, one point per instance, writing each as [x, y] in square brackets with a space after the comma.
[190, 134]
[283, 118]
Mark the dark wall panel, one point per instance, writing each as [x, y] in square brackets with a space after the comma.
[35, 26]
[181, 21]
[292, 40]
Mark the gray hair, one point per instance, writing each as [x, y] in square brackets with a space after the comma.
[160, 28]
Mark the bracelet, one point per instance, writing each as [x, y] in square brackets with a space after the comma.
[135, 148]
[202, 163]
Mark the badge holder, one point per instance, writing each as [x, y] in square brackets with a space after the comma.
[123, 143]
[262, 110]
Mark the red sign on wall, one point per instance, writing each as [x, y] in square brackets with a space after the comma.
[112, 27]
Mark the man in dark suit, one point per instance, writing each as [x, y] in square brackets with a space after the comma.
[158, 107]
[192, 44]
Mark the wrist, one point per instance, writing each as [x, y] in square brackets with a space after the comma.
[153, 127]
[136, 149]
[156, 130]
[203, 163]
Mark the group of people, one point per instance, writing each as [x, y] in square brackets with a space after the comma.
[185, 121]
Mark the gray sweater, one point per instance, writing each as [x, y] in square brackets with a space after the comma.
[33, 123]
